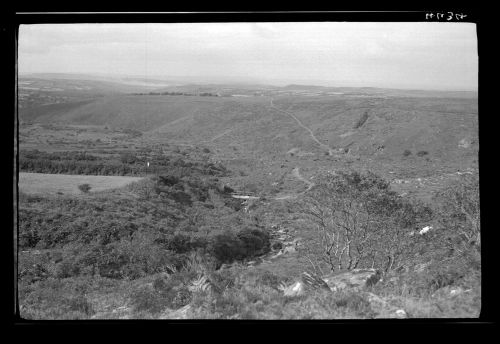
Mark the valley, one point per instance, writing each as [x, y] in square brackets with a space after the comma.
[174, 175]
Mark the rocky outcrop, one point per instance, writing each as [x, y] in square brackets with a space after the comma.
[357, 278]
[314, 281]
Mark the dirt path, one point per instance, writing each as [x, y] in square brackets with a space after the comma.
[322, 145]
[296, 174]
[219, 136]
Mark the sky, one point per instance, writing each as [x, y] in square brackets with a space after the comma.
[420, 55]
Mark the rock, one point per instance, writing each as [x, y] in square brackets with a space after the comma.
[314, 281]
[400, 314]
[290, 249]
[357, 278]
[448, 291]
[277, 254]
[464, 143]
[425, 230]
[295, 289]
[456, 291]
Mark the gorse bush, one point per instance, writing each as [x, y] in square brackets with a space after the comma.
[85, 188]
[247, 243]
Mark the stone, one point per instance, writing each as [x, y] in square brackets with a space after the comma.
[290, 249]
[277, 255]
[314, 281]
[401, 314]
[357, 278]
[464, 143]
[425, 230]
[295, 289]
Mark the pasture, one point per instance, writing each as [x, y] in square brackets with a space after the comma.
[42, 183]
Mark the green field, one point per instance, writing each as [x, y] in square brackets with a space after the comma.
[41, 183]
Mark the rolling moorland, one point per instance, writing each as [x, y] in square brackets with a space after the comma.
[222, 220]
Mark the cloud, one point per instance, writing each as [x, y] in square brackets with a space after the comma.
[360, 52]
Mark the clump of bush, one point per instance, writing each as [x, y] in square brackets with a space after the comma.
[407, 152]
[422, 153]
[229, 246]
[55, 299]
[85, 188]
[147, 299]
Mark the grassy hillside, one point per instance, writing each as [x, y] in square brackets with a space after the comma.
[382, 163]
[135, 252]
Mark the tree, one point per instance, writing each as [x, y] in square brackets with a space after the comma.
[460, 215]
[359, 222]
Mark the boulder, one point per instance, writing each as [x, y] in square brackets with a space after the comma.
[357, 278]
[400, 314]
[314, 281]
[295, 289]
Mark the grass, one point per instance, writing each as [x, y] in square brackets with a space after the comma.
[253, 142]
[41, 183]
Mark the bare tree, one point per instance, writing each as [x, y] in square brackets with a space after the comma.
[357, 220]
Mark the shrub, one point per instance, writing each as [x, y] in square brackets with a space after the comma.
[55, 299]
[226, 247]
[422, 153]
[85, 188]
[407, 152]
[355, 303]
[147, 299]
[254, 241]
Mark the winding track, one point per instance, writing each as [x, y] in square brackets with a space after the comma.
[322, 145]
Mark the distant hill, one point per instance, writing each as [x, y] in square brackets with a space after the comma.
[365, 123]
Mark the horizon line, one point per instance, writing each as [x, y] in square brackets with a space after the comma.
[257, 81]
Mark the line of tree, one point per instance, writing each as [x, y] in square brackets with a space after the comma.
[124, 164]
